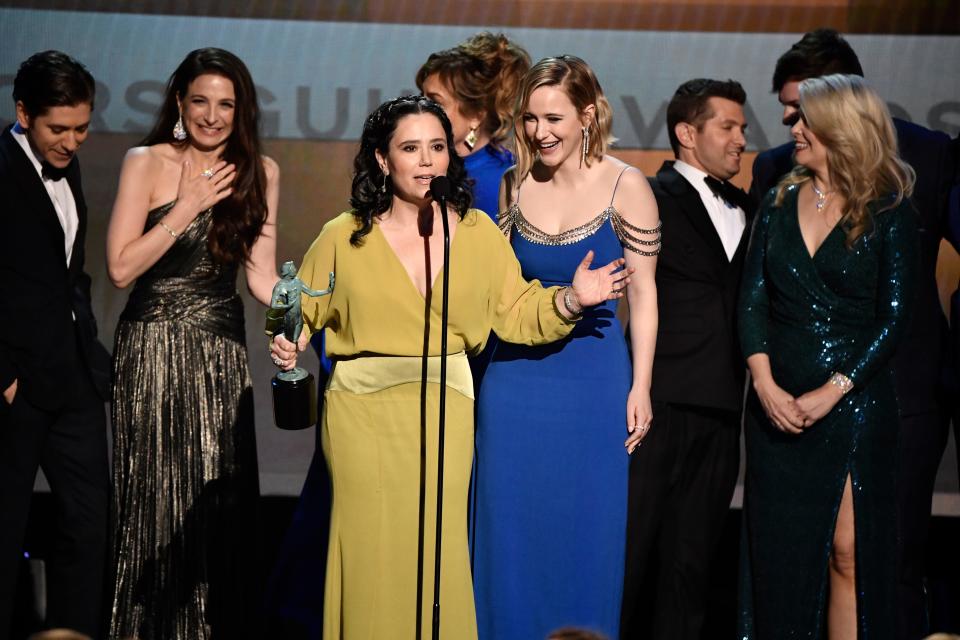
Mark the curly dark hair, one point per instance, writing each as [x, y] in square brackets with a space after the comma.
[366, 196]
[239, 218]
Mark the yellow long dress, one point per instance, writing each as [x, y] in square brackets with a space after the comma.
[375, 334]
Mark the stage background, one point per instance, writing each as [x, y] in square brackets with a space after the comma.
[321, 66]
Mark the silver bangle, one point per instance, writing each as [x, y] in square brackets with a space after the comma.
[169, 229]
[841, 382]
[573, 307]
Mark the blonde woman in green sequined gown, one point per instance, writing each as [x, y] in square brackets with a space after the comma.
[196, 202]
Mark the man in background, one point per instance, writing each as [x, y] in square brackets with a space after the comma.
[683, 477]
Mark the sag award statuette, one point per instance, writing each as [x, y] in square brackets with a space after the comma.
[294, 391]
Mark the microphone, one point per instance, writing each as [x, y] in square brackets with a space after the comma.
[440, 189]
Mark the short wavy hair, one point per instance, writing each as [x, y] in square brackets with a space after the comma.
[367, 197]
[575, 77]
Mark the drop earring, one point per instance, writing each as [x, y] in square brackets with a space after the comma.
[179, 132]
[585, 131]
[471, 139]
[383, 186]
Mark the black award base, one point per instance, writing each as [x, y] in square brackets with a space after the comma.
[294, 400]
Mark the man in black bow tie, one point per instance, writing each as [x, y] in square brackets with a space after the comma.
[53, 372]
[682, 478]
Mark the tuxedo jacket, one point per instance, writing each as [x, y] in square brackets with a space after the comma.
[921, 358]
[697, 361]
[41, 345]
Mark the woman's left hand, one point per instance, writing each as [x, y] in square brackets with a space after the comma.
[815, 404]
[639, 416]
[593, 286]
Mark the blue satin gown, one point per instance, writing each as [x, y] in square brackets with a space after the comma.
[549, 519]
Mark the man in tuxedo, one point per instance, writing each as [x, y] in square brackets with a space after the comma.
[53, 372]
[683, 477]
[921, 359]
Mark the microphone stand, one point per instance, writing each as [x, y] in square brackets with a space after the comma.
[444, 314]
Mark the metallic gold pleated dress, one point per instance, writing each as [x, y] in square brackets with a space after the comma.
[185, 467]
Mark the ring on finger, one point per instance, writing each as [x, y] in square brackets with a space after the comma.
[277, 361]
[207, 173]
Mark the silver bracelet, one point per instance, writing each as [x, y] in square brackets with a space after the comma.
[169, 229]
[572, 306]
[841, 382]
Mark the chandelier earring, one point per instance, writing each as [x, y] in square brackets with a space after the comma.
[179, 132]
[585, 131]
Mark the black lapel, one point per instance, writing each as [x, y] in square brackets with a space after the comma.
[27, 178]
[692, 206]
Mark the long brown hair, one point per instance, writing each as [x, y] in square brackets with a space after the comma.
[238, 219]
[578, 81]
[483, 72]
[854, 125]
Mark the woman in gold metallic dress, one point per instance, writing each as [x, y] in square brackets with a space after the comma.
[383, 316]
[196, 202]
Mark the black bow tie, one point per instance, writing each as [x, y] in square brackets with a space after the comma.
[51, 172]
[733, 195]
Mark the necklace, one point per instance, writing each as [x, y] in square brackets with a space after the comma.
[821, 196]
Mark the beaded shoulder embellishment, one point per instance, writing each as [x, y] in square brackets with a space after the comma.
[626, 232]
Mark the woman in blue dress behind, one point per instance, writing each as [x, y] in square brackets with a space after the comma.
[549, 523]
[476, 83]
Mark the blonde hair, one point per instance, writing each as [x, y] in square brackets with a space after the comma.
[483, 72]
[578, 81]
[854, 125]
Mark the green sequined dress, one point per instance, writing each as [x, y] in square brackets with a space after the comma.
[840, 310]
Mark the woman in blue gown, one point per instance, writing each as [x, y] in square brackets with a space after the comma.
[549, 522]
[828, 287]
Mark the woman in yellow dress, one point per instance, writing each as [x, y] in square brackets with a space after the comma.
[382, 316]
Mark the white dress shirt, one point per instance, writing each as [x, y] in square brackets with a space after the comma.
[59, 191]
[728, 219]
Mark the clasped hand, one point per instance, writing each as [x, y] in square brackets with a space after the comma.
[793, 415]
[284, 353]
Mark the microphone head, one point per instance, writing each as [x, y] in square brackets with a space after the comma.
[440, 188]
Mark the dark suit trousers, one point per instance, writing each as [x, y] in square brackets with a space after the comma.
[681, 481]
[70, 445]
[923, 438]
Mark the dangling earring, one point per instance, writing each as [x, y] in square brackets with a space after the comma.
[471, 140]
[383, 187]
[179, 133]
[586, 145]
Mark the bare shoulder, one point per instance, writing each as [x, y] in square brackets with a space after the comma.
[270, 168]
[634, 198]
[509, 185]
[143, 159]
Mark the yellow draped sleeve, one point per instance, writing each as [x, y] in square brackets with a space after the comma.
[317, 265]
[524, 312]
